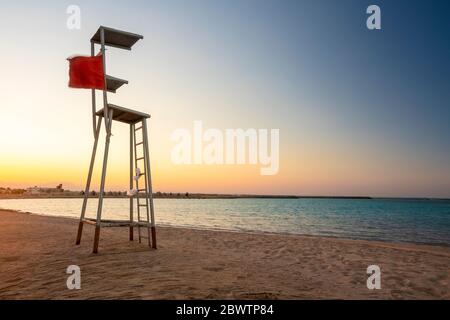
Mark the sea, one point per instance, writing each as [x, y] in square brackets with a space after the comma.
[393, 220]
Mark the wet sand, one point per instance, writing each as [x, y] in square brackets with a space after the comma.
[198, 264]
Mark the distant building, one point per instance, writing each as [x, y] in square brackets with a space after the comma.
[42, 191]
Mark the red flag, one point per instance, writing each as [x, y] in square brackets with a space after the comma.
[86, 72]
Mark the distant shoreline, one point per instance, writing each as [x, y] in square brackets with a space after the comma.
[217, 196]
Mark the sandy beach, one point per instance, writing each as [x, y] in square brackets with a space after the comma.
[197, 264]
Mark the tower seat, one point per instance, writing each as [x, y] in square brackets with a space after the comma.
[124, 115]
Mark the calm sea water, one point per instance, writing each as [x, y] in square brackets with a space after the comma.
[388, 220]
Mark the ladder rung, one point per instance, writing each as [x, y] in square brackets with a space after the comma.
[139, 143]
[138, 128]
[141, 158]
[142, 189]
[142, 205]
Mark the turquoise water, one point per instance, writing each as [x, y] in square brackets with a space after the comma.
[419, 221]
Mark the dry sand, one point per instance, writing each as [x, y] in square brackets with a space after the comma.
[191, 264]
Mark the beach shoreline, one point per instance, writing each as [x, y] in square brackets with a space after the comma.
[35, 251]
[256, 232]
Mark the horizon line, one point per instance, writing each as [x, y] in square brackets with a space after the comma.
[251, 195]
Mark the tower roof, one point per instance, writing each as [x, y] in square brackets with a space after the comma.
[117, 38]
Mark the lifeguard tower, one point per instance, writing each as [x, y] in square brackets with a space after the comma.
[141, 196]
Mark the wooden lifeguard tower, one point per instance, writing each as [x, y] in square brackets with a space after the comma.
[141, 196]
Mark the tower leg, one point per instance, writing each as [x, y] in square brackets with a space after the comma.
[96, 239]
[131, 234]
[80, 231]
[150, 189]
[88, 182]
[102, 183]
[148, 235]
[131, 177]
[153, 237]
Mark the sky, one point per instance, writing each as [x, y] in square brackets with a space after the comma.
[360, 112]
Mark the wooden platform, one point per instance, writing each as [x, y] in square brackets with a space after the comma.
[113, 83]
[116, 223]
[117, 38]
[124, 115]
